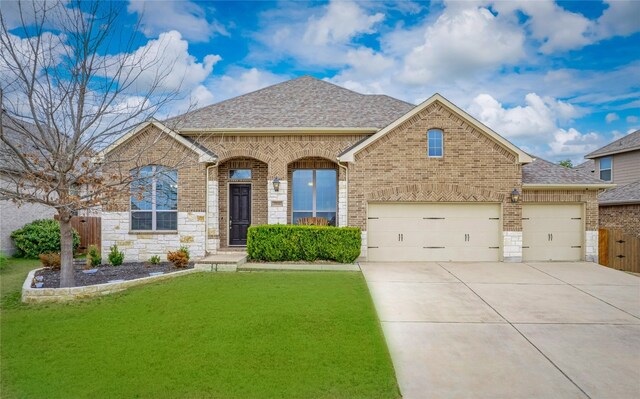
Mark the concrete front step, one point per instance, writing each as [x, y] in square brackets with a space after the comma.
[221, 262]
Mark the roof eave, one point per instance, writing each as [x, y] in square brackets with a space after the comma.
[523, 157]
[281, 130]
[607, 153]
[623, 202]
[533, 186]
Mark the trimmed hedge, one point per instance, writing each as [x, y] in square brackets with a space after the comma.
[40, 237]
[279, 243]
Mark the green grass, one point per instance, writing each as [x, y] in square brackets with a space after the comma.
[237, 335]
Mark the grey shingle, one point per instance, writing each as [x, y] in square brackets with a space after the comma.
[588, 166]
[627, 143]
[301, 102]
[541, 171]
[629, 193]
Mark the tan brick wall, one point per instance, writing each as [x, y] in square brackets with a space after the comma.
[621, 217]
[474, 168]
[258, 193]
[587, 197]
[151, 147]
[278, 150]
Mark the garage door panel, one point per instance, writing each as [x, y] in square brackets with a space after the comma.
[438, 232]
[552, 232]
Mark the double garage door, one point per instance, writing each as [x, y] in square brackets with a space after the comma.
[470, 232]
[434, 232]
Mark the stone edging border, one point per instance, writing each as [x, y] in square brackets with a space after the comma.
[49, 295]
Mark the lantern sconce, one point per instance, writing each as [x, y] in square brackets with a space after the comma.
[276, 184]
[515, 196]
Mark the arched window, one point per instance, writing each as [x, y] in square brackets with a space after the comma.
[154, 199]
[434, 143]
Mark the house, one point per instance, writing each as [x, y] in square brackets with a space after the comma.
[619, 163]
[425, 182]
[13, 215]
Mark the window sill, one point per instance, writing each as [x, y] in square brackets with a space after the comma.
[157, 232]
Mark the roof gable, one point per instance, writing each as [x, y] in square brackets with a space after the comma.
[305, 102]
[204, 155]
[349, 155]
[630, 142]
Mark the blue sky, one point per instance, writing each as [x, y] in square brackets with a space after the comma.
[559, 79]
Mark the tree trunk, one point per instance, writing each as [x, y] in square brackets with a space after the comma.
[66, 252]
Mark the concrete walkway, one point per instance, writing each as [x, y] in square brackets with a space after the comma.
[507, 330]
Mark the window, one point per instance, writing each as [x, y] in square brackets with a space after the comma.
[605, 168]
[434, 143]
[154, 199]
[240, 174]
[314, 194]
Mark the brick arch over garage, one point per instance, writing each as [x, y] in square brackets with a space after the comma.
[434, 193]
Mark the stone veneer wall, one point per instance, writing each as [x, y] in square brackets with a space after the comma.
[621, 217]
[140, 246]
[512, 246]
[591, 246]
[277, 203]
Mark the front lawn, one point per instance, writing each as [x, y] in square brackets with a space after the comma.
[237, 335]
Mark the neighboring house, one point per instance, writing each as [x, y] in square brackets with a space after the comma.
[12, 215]
[619, 163]
[423, 183]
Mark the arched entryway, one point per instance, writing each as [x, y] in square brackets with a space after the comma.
[242, 199]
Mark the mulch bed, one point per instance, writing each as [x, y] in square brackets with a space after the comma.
[105, 273]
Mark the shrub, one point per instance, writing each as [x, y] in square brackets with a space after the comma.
[40, 237]
[115, 257]
[50, 259]
[277, 243]
[185, 250]
[154, 260]
[93, 256]
[179, 258]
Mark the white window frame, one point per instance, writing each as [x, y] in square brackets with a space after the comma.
[441, 143]
[314, 210]
[153, 209]
[610, 168]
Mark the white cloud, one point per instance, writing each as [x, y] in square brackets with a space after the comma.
[612, 116]
[535, 126]
[556, 28]
[184, 16]
[619, 19]
[632, 119]
[342, 21]
[165, 62]
[463, 42]
[240, 81]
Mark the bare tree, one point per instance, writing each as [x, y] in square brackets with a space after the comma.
[71, 82]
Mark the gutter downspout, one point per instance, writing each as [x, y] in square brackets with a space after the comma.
[206, 209]
[346, 204]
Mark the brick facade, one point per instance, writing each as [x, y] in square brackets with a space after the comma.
[396, 167]
[621, 217]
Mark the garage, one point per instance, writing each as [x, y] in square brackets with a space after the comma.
[552, 232]
[433, 232]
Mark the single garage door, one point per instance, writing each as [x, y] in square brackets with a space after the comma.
[433, 232]
[552, 232]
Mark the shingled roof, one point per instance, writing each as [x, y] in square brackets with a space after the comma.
[627, 143]
[588, 166]
[542, 172]
[627, 194]
[298, 103]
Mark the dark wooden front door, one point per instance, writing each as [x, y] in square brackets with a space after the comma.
[239, 213]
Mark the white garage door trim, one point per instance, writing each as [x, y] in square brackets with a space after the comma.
[434, 231]
[553, 231]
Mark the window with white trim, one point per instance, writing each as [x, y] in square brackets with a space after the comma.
[606, 168]
[154, 199]
[314, 194]
[434, 143]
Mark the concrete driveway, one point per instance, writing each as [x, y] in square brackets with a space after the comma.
[507, 330]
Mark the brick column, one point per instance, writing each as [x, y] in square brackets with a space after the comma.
[277, 206]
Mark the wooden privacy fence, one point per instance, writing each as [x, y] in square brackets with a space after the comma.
[618, 250]
[89, 228]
